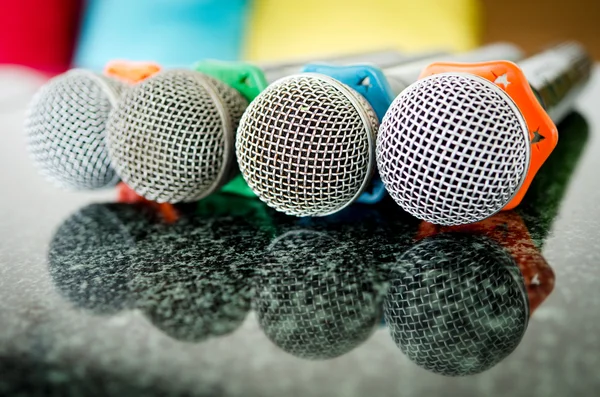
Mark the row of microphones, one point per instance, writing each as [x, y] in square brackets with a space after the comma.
[170, 139]
[462, 140]
[306, 145]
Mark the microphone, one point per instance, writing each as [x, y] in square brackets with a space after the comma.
[444, 286]
[66, 122]
[313, 302]
[306, 144]
[466, 140]
[456, 311]
[171, 138]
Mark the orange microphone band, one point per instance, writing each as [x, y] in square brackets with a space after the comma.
[131, 71]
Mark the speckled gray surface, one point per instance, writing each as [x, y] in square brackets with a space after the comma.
[100, 298]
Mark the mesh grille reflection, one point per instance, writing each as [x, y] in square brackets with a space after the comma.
[456, 305]
[90, 256]
[313, 300]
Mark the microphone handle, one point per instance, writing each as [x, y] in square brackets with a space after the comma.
[557, 76]
[382, 59]
[404, 75]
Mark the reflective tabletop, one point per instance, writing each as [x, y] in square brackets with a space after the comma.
[229, 298]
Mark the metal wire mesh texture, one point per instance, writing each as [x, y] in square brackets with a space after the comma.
[188, 280]
[314, 300]
[456, 311]
[453, 149]
[305, 145]
[191, 279]
[191, 301]
[65, 126]
[171, 137]
[90, 256]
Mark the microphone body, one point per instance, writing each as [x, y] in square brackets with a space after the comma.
[557, 76]
[306, 145]
[401, 76]
[466, 140]
[382, 59]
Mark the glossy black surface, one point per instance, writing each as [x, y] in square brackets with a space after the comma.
[233, 299]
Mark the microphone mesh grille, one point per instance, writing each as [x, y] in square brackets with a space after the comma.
[171, 136]
[453, 149]
[305, 145]
[65, 126]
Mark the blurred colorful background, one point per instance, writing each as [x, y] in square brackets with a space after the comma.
[53, 35]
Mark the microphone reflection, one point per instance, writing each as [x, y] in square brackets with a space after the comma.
[91, 254]
[315, 296]
[456, 304]
[460, 298]
[190, 278]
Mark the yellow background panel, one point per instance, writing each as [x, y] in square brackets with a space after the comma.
[281, 29]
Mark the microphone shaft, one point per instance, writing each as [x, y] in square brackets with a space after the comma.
[557, 75]
[405, 74]
[382, 59]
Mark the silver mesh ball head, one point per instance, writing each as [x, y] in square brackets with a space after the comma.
[306, 144]
[65, 126]
[171, 136]
[453, 149]
[457, 304]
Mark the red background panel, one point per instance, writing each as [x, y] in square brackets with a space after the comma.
[39, 33]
